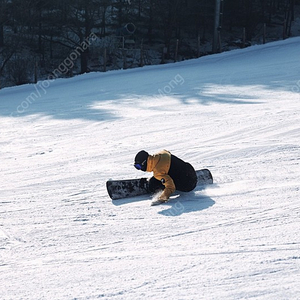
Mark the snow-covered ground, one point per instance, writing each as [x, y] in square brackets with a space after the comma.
[236, 113]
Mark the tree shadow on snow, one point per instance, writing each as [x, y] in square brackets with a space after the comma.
[97, 96]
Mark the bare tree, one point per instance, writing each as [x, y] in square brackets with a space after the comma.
[79, 19]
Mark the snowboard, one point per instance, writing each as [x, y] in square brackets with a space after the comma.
[120, 189]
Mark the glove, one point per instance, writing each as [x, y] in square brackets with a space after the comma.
[163, 197]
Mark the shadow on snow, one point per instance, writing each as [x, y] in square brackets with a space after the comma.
[186, 203]
[99, 96]
[179, 203]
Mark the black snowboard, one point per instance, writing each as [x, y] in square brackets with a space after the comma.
[120, 189]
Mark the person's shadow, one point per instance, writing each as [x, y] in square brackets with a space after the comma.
[186, 202]
[179, 203]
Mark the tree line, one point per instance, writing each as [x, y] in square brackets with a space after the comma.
[35, 34]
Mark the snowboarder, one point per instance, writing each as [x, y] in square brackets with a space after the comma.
[170, 173]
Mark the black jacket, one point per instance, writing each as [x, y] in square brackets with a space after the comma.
[183, 174]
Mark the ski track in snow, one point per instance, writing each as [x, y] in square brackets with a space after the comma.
[236, 113]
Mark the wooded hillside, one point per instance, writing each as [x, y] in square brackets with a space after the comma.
[39, 37]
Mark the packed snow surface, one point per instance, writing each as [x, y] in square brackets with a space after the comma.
[235, 113]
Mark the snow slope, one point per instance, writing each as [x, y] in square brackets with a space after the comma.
[236, 113]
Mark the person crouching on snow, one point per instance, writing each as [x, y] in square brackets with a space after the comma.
[170, 173]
